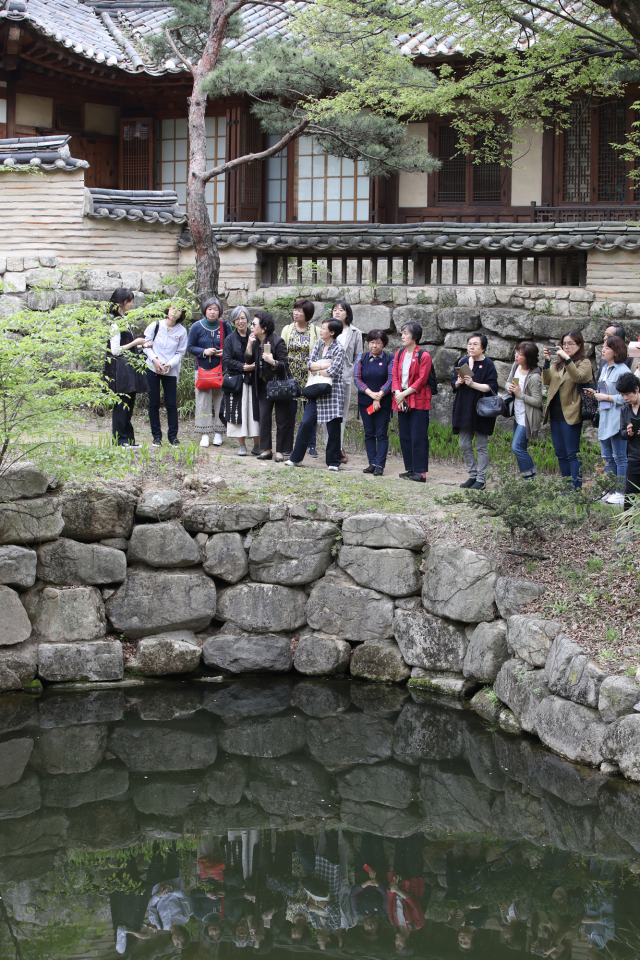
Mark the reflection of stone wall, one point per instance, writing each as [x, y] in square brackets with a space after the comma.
[252, 589]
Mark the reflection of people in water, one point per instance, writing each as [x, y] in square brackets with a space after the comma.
[406, 890]
[169, 907]
[128, 905]
[369, 895]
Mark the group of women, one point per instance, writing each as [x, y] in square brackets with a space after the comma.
[237, 360]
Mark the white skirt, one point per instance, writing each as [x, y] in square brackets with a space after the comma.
[249, 427]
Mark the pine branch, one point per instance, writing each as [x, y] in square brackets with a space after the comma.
[252, 157]
[187, 63]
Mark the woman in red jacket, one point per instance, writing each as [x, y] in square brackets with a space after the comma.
[412, 400]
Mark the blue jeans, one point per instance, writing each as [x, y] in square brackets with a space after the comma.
[376, 434]
[169, 385]
[566, 443]
[413, 430]
[519, 447]
[614, 454]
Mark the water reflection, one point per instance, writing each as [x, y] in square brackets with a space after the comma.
[291, 817]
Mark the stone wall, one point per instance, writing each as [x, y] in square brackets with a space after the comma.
[252, 589]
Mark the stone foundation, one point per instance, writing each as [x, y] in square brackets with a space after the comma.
[260, 590]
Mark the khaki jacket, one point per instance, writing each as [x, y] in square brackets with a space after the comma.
[532, 397]
[566, 384]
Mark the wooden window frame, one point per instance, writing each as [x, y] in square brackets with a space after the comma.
[468, 204]
[151, 152]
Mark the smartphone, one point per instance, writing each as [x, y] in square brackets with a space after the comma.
[266, 348]
[370, 410]
[633, 350]
[516, 380]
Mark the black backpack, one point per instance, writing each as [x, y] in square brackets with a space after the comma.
[432, 383]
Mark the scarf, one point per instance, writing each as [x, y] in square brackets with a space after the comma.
[211, 327]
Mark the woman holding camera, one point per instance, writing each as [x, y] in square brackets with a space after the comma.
[525, 386]
[612, 446]
[563, 413]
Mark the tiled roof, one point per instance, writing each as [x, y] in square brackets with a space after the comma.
[464, 238]
[153, 206]
[45, 153]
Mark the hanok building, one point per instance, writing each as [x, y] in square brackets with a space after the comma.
[113, 195]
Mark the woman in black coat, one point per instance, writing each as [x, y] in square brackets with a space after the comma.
[269, 354]
[124, 377]
[465, 421]
[239, 408]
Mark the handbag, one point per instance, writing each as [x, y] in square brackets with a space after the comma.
[589, 407]
[317, 386]
[285, 389]
[232, 383]
[491, 406]
[211, 379]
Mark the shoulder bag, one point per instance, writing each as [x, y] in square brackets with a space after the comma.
[491, 405]
[283, 389]
[211, 379]
[232, 382]
[589, 407]
[317, 386]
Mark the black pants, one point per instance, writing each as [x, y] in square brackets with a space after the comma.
[376, 434]
[312, 440]
[413, 428]
[121, 425]
[169, 386]
[407, 861]
[306, 431]
[632, 484]
[285, 416]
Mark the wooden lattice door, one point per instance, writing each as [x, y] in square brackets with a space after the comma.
[136, 153]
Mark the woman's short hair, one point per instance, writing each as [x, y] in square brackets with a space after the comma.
[414, 328]
[265, 320]
[307, 307]
[119, 296]
[530, 352]
[618, 330]
[377, 335]
[478, 336]
[627, 383]
[235, 313]
[345, 306]
[335, 326]
[578, 339]
[619, 348]
[209, 303]
[183, 313]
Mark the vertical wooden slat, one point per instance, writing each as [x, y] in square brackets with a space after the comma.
[557, 263]
[285, 270]
[470, 279]
[536, 269]
[582, 279]
[329, 270]
[487, 270]
[428, 264]
[358, 269]
[345, 266]
[405, 270]
[503, 270]
[299, 271]
[438, 269]
[454, 269]
[314, 271]
[519, 272]
[374, 269]
[389, 270]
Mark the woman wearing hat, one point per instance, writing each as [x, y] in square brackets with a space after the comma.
[206, 343]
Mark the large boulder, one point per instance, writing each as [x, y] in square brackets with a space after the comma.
[96, 514]
[30, 521]
[272, 782]
[160, 702]
[378, 699]
[459, 584]
[321, 698]
[530, 639]
[424, 314]
[573, 731]
[513, 594]
[318, 655]
[382, 821]
[14, 756]
[453, 800]
[263, 607]
[522, 689]
[17, 710]
[269, 653]
[17, 566]
[33, 835]
[104, 826]
[225, 557]
[63, 616]
[22, 481]
[620, 807]
[391, 571]
[68, 562]
[514, 324]
[569, 673]
[292, 552]
[21, 799]
[94, 706]
[227, 784]
[172, 652]
[427, 733]
[390, 783]
[15, 626]
[487, 651]
[349, 738]
[379, 660]
[340, 608]
[169, 795]
[75, 749]
[459, 318]
[223, 517]
[97, 660]
[429, 642]
[252, 698]
[159, 505]
[274, 737]
[150, 602]
[622, 745]
[163, 545]
[382, 530]
[73, 790]
[22, 659]
[9, 680]
[618, 696]
[153, 747]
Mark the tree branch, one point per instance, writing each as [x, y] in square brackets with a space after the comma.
[256, 3]
[187, 63]
[252, 157]
[583, 26]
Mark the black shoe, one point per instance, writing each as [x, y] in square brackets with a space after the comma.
[378, 471]
[266, 456]
[478, 485]
[417, 477]
[468, 483]
[312, 452]
[255, 451]
[370, 469]
[174, 443]
[405, 475]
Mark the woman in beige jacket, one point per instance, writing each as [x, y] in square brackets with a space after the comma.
[570, 368]
[524, 383]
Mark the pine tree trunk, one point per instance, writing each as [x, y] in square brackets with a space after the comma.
[204, 243]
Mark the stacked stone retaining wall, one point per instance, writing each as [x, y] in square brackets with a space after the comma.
[266, 590]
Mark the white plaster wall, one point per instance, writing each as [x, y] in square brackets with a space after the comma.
[413, 190]
[526, 173]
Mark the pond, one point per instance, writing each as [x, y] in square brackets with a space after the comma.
[289, 817]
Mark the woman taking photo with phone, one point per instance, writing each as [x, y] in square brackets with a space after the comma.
[205, 343]
[166, 344]
[475, 374]
[612, 447]
[563, 413]
[125, 378]
[525, 386]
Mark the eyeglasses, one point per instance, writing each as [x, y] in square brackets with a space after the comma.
[569, 343]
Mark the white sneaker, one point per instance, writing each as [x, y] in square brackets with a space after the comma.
[204, 440]
[217, 440]
[242, 450]
[605, 498]
[292, 463]
[121, 939]
[333, 467]
[616, 499]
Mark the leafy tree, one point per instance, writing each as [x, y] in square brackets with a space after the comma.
[301, 85]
